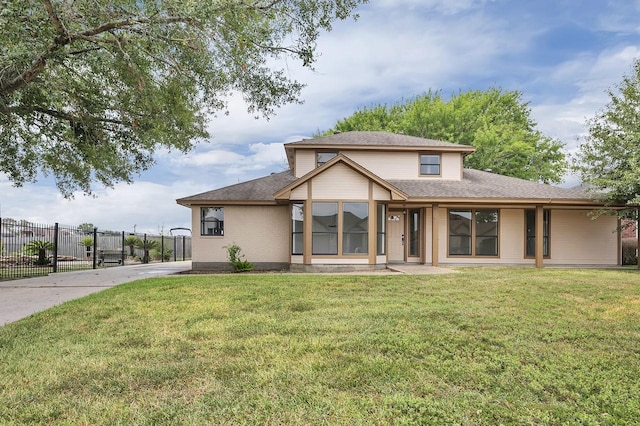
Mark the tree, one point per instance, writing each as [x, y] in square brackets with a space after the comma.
[498, 123]
[609, 159]
[86, 228]
[132, 241]
[39, 248]
[146, 246]
[89, 90]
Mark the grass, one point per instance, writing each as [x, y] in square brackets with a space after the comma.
[484, 346]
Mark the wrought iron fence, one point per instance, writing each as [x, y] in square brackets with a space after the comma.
[28, 249]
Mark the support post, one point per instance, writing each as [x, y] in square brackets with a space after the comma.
[435, 234]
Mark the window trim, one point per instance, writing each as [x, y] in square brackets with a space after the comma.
[203, 222]
[473, 233]
[439, 164]
[545, 213]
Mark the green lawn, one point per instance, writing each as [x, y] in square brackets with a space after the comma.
[484, 346]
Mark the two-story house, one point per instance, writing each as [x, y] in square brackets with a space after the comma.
[368, 199]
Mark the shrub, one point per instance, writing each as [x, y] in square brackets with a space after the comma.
[236, 259]
[629, 251]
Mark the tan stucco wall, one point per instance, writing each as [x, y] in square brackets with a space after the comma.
[262, 232]
[387, 165]
[578, 239]
[340, 182]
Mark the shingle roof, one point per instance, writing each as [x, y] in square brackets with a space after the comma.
[486, 185]
[376, 139]
[256, 190]
[475, 185]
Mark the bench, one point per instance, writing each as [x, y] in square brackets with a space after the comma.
[110, 256]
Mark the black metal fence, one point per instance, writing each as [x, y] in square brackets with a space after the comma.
[28, 249]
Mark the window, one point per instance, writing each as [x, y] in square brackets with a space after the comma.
[473, 232]
[355, 228]
[381, 225]
[324, 228]
[430, 164]
[212, 221]
[530, 219]
[486, 233]
[323, 157]
[414, 234]
[297, 228]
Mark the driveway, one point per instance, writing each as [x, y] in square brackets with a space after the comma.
[21, 298]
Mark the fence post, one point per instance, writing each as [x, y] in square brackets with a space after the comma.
[183, 248]
[122, 255]
[175, 249]
[161, 248]
[95, 248]
[55, 247]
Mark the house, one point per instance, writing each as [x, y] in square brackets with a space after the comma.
[360, 200]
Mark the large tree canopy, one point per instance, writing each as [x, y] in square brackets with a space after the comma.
[609, 159]
[90, 89]
[498, 123]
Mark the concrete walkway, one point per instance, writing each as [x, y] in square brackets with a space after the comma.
[21, 298]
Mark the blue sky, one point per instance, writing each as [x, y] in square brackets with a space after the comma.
[561, 54]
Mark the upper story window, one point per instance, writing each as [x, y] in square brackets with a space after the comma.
[324, 156]
[212, 221]
[430, 164]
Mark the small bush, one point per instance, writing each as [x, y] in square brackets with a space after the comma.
[236, 259]
[629, 251]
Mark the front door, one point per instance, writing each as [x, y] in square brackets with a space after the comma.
[395, 229]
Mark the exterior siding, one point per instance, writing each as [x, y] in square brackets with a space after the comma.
[301, 192]
[305, 161]
[577, 239]
[262, 232]
[405, 165]
[451, 166]
[340, 182]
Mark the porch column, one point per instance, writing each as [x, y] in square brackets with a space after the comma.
[435, 220]
[539, 236]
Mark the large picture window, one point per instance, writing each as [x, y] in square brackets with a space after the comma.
[473, 232]
[530, 218]
[324, 228]
[212, 221]
[430, 164]
[355, 228]
[297, 228]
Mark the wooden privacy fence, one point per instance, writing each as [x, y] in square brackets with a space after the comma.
[28, 249]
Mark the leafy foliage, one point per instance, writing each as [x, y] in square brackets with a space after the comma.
[90, 90]
[39, 248]
[236, 259]
[609, 159]
[146, 246]
[498, 123]
[131, 241]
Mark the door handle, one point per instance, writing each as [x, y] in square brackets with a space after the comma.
[402, 239]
